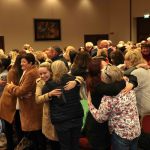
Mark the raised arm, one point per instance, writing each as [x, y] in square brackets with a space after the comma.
[102, 113]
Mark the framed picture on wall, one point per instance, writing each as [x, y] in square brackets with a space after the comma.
[47, 29]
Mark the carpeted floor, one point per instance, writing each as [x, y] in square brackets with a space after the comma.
[3, 141]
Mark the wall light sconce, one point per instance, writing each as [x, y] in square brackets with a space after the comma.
[146, 15]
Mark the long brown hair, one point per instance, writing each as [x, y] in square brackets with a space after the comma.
[81, 60]
[94, 73]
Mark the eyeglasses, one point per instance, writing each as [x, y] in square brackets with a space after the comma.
[105, 71]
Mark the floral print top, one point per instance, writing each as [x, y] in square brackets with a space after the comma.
[121, 113]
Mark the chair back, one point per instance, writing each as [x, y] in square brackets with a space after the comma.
[145, 123]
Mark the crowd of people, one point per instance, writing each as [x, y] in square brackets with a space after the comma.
[41, 94]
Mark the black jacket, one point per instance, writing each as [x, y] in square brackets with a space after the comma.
[68, 106]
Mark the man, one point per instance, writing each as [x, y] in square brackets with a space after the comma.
[55, 53]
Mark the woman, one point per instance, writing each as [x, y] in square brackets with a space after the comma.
[47, 127]
[30, 112]
[117, 57]
[145, 50]
[66, 110]
[4, 63]
[120, 111]
[98, 134]
[79, 66]
[8, 105]
[133, 59]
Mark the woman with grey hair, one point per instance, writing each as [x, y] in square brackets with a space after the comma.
[120, 111]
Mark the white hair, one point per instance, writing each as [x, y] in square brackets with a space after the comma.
[88, 44]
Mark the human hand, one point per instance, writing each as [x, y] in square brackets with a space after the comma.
[128, 88]
[70, 85]
[126, 78]
[2, 83]
[10, 84]
[143, 65]
[122, 66]
[55, 92]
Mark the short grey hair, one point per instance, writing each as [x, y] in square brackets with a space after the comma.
[111, 74]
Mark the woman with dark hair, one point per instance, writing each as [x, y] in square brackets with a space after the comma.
[30, 112]
[80, 68]
[72, 55]
[4, 63]
[117, 57]
[8, 106]
[98, 133]
[145, 50]
[80, 64]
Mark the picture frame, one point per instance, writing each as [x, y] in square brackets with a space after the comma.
[47, 29]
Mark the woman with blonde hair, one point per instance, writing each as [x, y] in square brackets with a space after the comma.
[47, 127]
[132, 60]
[66, 109]
[67, 54]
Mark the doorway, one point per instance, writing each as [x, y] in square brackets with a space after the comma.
[143, 28]
[2, 46]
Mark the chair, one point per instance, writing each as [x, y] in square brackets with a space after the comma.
[144, 138]
[84, 144]
[145, 123]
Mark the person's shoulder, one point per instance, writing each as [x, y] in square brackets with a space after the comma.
[12, 72]
[68, 76]
[32, 71]
[51, 83]
[139, 71]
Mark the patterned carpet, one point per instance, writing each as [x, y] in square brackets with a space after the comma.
[3, 141]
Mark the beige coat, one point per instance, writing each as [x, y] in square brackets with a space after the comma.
[30, 111]
[47, 127]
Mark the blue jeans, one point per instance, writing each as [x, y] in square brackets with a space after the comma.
[119, 143]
